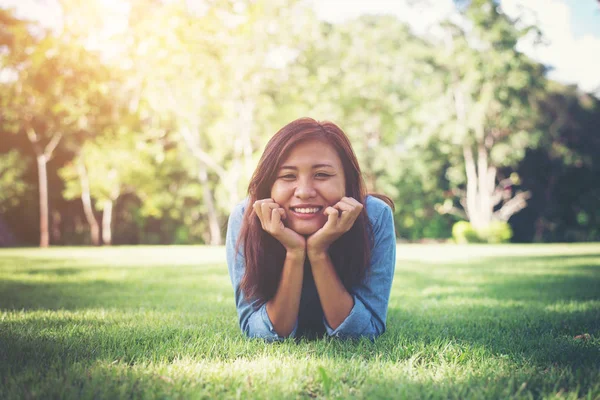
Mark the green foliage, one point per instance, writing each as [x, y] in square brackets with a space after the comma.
[563, 170]
[468, 322]
[12, 185]
[485, 118]
[463, 232]
[496, 232]
[175, 119]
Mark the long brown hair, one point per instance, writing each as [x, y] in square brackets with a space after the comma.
[265, 255]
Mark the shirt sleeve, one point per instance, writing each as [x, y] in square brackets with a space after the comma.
[368, 316]
[254, 322]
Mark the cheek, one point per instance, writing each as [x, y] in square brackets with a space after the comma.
[334, 191]
[278, 192]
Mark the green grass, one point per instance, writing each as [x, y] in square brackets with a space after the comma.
[160, 322]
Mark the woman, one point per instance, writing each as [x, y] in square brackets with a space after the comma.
[309, 253]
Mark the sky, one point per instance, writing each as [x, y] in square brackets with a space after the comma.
[571, 27]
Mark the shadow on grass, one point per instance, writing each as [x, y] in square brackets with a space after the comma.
[518, 312]
[581, 285]
[40, 265]
[54, 271]
[125, 381]
[54, 284]
[37, 344]
[147, 313]
[517, 384]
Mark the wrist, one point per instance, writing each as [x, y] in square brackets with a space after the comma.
[316, 247]
[316, 255]
[296, 254]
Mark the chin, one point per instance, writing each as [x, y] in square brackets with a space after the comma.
[306, 230]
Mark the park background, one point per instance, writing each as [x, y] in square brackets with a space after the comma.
[140, 122]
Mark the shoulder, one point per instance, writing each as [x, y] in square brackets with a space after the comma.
[240, 208]
[376, 208]
[237, 215]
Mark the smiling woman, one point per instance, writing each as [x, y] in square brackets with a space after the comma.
[311, 178]
[309, 252]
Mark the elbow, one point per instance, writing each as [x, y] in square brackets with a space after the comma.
[377, 328]
[380, 326]
[284, 333]
[269, 335]
[378, 333]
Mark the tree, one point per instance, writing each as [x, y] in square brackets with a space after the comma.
[103, 170]
[490, 103]
[49, 96]
[206, 76]
[562, 171]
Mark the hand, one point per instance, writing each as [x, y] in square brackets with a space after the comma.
[337, 224]
[271, 217]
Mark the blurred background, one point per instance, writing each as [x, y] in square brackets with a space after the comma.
[141, 121]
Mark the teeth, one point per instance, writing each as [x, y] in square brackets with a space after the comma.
[306, 210]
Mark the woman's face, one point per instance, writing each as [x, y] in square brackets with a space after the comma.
[310, 179]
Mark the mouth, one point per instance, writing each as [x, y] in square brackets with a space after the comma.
[306, 211]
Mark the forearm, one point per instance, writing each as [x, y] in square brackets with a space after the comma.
[335, 299]
[283, 307]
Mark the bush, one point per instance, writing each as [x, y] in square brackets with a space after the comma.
[495, 232]
[463, 232]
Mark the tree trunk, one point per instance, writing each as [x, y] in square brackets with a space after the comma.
[472, 209]
[485, 206]
[42, 157]
[43, 192]
[213, 219]
[106, 222]
[86, 199]
[483, 195]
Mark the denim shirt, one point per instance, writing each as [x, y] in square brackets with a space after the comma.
[367, 317]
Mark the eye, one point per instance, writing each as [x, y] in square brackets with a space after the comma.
[287, 177]
[322, 175]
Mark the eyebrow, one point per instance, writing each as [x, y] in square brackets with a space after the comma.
[314, 166]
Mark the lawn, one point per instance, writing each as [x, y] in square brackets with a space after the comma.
[514, 321]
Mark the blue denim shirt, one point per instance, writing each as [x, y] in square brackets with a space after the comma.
[367, 317]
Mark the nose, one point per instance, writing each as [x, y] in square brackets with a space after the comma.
[305, 189]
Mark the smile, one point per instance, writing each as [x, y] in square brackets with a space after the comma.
[311, 210]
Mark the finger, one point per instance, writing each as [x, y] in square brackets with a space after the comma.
[266, 214]
[351, 205]
[267, 211]
[347, 219]
[261, 201]
[352, 201]
[268, 206]
[275, 219]
[257, 207]
[330, 210]
[267, 200]
[343, 206]
[346, 211]
[282, 213]
[332, 216]
[257, 210]
[350, 211]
